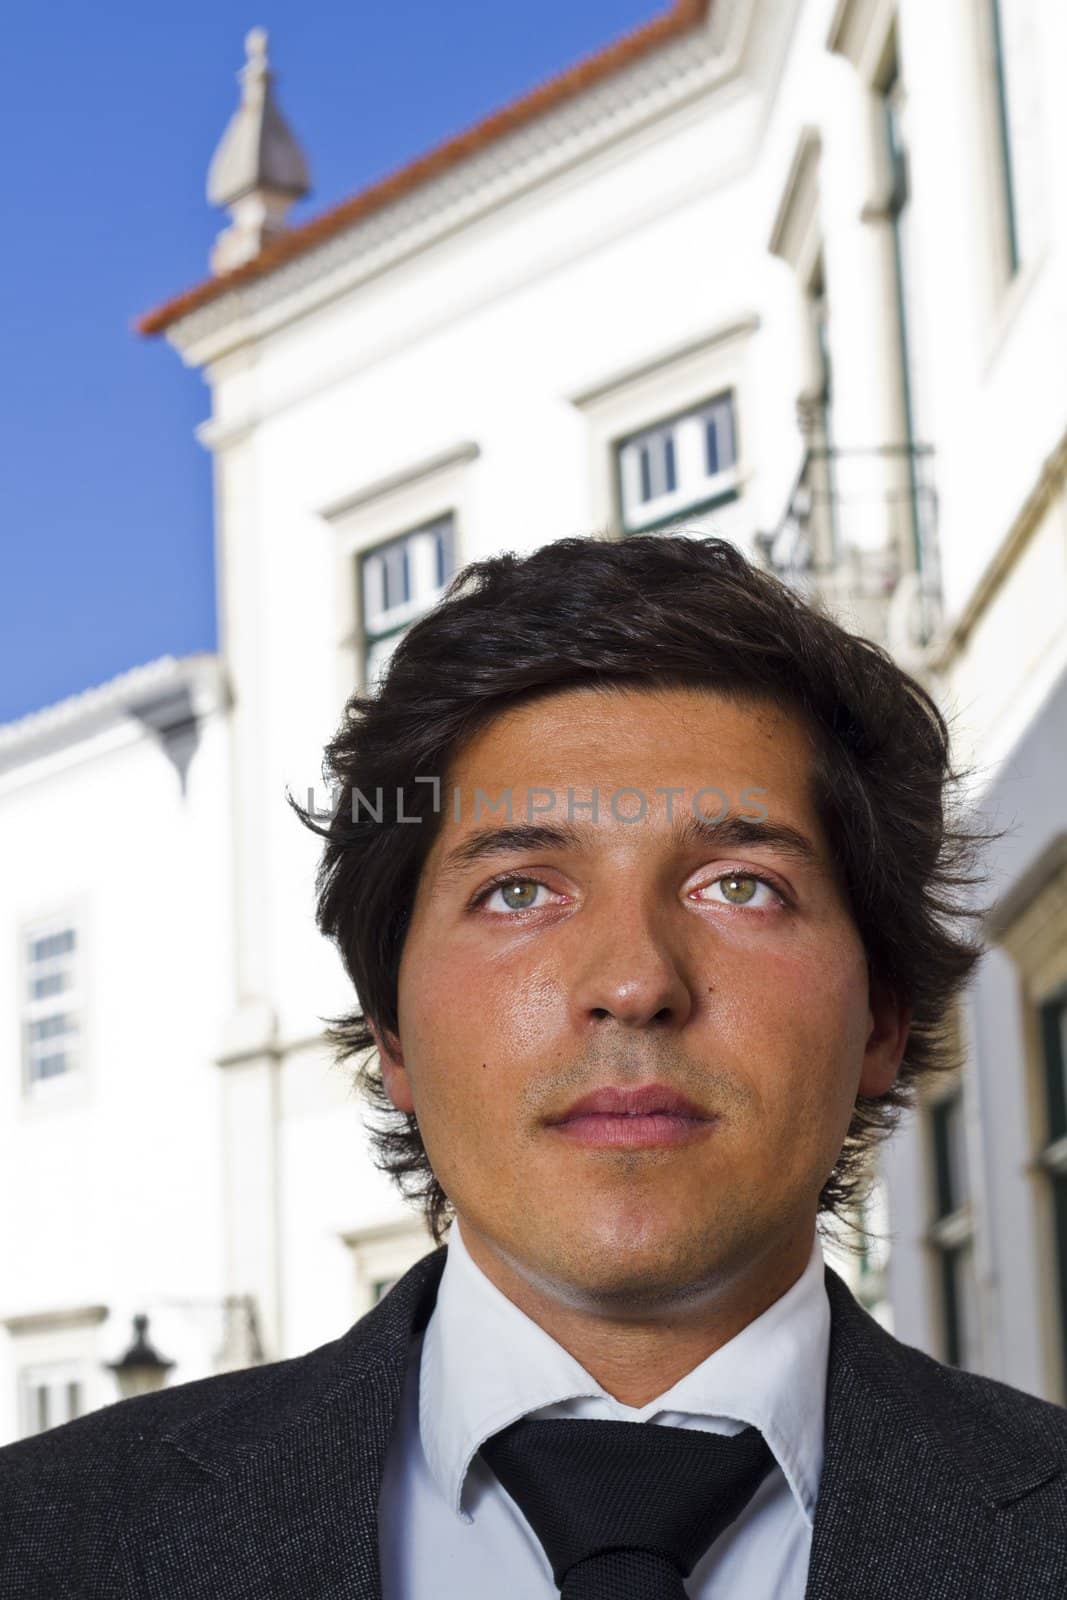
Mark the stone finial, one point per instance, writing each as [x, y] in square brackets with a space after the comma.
[258, 169]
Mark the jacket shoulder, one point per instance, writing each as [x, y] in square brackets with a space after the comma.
[1012, 1442]
[68, 1497]
[990, 1399]
[66, 1494]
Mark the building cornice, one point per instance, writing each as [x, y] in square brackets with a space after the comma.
[792, 222]
[530, 111]
[403, 224]
[123, 700]
[53, 1321]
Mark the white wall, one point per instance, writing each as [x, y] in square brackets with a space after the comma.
[110, 1182]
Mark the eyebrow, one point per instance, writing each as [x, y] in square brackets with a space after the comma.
[730, 833]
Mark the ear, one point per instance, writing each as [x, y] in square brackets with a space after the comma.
[394, 1072]
[889, 1019]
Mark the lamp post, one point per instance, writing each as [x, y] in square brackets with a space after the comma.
[142, 1369]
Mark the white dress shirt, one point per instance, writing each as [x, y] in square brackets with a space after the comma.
[448, 1528]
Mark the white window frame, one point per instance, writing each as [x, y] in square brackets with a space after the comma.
[381, 1255]
[73, 1001]
[951, 1242]
[411, 498]
[1031, 928]
[54, 1380]
[56, 1347]
[670, 458]
[669, 385]
[387, 625]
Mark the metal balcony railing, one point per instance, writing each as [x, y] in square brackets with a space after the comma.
[858, 537]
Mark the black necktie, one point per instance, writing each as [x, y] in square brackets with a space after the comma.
[625, 1510]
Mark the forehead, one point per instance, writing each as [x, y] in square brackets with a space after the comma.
[595, 734]
[596, 741]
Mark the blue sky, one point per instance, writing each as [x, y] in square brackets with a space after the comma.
[109, 115]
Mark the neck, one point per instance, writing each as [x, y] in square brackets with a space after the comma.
[638, 1358]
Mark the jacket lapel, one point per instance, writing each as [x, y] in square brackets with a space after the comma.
[282, 1483]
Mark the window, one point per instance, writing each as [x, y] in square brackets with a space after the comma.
[51, 1002]
[951, 1235]
[381, 1255]
[684, 463]
[50, 1395]
[1032, 930]
[1053, 1158]
[1015, 65]
[398, 581]
[871, 1285]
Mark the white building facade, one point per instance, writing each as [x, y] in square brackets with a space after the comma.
[790, 271]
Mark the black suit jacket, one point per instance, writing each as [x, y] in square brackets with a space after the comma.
[936, 1484]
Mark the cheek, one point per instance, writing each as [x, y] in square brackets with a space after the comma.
[800, 1018]
[449, 1040]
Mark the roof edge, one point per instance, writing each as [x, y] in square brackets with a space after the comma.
[90, 711]
[682, 17]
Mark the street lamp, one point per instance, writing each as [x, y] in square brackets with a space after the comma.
[142, 1369]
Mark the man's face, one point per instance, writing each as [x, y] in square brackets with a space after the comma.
[629, 956]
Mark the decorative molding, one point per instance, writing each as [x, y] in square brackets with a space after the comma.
[858, 32]
[382, 1232]
[737, 328]
[384, 1251]
[1051, 485]
[798, 207]
[675, 77]
[215, 434]
[120, 700]
[443, 461]
[55, 1321]
[1031, 922]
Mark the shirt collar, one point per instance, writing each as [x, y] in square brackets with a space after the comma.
[484, 1364]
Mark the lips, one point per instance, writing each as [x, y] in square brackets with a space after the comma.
[647, 1101]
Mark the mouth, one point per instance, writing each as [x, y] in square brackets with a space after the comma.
[633, 1118]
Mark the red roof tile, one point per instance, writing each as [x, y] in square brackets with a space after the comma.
[683, 16]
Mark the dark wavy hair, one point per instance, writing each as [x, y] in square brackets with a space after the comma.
[651, 611]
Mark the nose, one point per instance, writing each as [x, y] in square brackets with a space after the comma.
[630, 965]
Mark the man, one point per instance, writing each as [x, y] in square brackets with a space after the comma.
[643, 873]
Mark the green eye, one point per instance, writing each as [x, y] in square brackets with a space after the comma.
[742, 889]
[734, 878]
[524, 891]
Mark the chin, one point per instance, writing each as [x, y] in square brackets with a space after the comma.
[621, 1272]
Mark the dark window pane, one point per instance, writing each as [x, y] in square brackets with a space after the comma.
[668, 460]
[957, 1135]
[719, 450]
[54, 983]
[942, 1158]
[711, 439]
[52, 1066]
[1053, 1023]
[646, 473]
[54, 944]
[51, 1028]
[444, 553]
